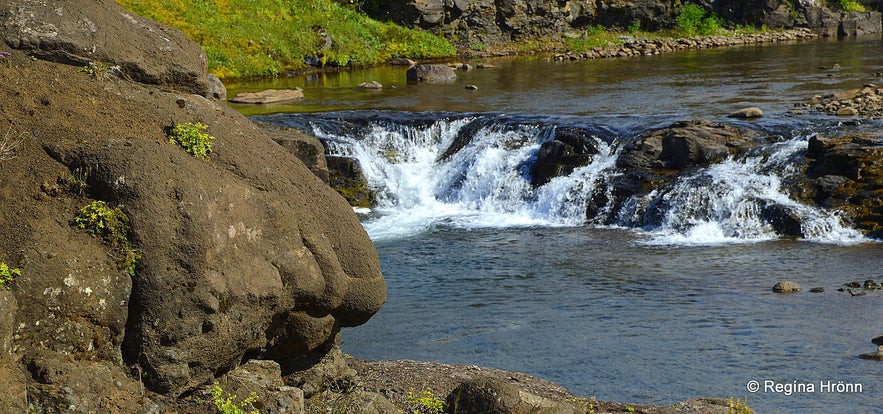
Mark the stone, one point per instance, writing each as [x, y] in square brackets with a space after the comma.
[371, 85]
[308, 149]
[345, 176]
[786, 286]
[402, 62]
[471, 87]
[269, 96]
[430, 73]
[861, 23]
[747, 113]
[217, 89]
[490, 395]
[262, 379]
[80, 32]
[570, 149]
[847, 111]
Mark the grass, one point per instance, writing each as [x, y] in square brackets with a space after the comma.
[247, 38]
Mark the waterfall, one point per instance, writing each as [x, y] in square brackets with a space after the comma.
[474, 171]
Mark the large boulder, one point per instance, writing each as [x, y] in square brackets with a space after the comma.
[103, 34]
[244, 255]
[430, 73]
[570, 149]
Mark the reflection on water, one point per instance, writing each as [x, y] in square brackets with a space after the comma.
[707, 83]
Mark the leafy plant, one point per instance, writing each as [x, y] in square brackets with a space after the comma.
[226, 403]
[193, 138]
[96, 70]
[736, 406]
[425, 402]
[693, 19]
[848, 5]
[7, 276]
[79, 180]
[113, 225]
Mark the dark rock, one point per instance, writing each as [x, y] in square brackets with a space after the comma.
[784, 220]
[269, 96]
[79, 32]
[430, 73]
[685, 144]
[346, 177]
[570, 149]
[817, 290]
[472, 87]
[861, 23]
[786, 286]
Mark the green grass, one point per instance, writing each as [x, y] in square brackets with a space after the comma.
[247, 38]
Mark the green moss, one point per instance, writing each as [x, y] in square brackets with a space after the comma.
[246, 38]
[113, 225]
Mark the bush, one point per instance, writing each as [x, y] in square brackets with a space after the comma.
[113, 225]
[693, 20]
[848, 5]
[226, 403]
[192, 138]
[425, 402]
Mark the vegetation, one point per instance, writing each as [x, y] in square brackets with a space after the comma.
[226, 403]
[736, 406]
[694, 20]
[247, 38]
[7, 276]
[193, 138]
[425, 402]
[847, 5]
[113, 225]
[8, 145]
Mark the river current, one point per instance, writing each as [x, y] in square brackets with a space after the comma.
[667, 300]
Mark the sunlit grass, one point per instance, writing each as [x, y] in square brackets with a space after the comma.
[246, 38]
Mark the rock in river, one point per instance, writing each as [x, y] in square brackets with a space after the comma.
[269, 96]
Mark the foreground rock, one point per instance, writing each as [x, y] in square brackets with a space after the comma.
[244, 255]
[499, 391]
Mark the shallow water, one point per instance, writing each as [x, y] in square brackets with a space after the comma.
[482, 270]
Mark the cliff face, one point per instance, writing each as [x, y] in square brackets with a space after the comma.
[472, 23]
[244, 254]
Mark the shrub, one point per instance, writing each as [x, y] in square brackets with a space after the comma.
[192, 138]
[113, 225]
[8, 145]
[7, 275]
[848, 5]
[425, 402]
[226, 403]
[693, 19]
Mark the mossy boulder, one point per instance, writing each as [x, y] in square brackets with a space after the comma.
[346, 177]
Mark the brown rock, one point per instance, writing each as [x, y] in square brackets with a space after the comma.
[269, 96]
[747, 113]
[80, 32]
[786, 286]
[430, 73]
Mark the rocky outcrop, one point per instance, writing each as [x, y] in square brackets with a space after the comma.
[570, 149]
[244, 255]
[847, 173]
[307, 148]
[346, 177]
[103, 34]
[269, 96]
[865, 102]
[474, 23]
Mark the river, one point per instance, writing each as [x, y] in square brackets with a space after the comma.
[650, 305]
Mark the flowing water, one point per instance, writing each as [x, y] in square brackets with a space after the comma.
[663, 298]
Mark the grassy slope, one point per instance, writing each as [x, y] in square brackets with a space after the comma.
[246, 38]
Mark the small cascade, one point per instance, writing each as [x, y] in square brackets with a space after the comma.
[475, 171]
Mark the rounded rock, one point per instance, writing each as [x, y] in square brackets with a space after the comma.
[786, 286]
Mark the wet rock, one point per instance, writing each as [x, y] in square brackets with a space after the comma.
[430, 73]
[402, 62]
[269, 96]
[747, 113]
[345, 176]
[817, 290]
[784, 220]
[472, 87]
[786, 286]
[78, 32]
[572, 148]
[685, 144]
